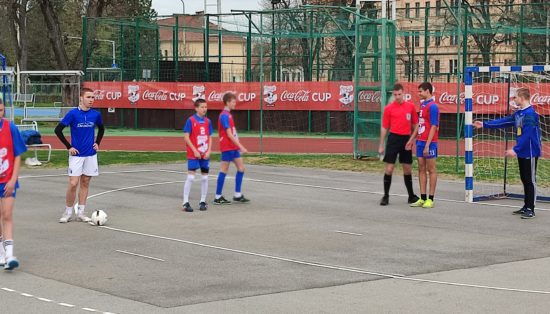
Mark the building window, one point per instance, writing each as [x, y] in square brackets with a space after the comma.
[417, 66]
[428, 5]
[437, 41]
[507, 62]
[453, 40]
[453, 66]
[407, 68]
[508, 39]
[416, 9]
[407, 10]
[166, 54]
[437, 66]
[407, 41]
[416, 39]
[438, 7]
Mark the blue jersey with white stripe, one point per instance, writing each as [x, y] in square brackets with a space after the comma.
[527, 124]
[83, 125]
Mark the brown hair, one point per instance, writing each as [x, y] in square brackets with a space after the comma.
[229, 96]
[85, 90]
[398, 86]
[426, 86]
[523, 93]
[199, 101]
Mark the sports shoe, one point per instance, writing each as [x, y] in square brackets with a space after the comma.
[241, 199]
[413, 199]
[66, 217]
[418, 203]
[203, 206]
[11, 263]
[221, 201]
[385, 200]
[187, 207]
[519, 211]
[428, 204]
[528, 214]
[82, 218]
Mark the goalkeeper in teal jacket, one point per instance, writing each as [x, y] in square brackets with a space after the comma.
[528, 146]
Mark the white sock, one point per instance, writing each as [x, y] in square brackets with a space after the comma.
[69, 210]
[81, 209]
[217, 196]
[187, 187]
[204, 187]
[2, 250]
[238, 194]
[8, 246]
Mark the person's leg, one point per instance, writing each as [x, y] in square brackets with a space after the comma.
[76, 165]
[2, 251]
[82, 197]
[6, 208]
[529, 185]
[224, 167]
[432, 170]
[205, 170]
[422, 177]
[405, 159]
[238, 196]
[187, 190]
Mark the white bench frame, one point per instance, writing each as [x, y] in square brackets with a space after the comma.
[35, 147]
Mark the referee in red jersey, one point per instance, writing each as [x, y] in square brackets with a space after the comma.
[399, 118]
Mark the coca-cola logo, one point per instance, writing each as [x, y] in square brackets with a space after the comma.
[155, 95]
[216, 96]
[447, 98]
[369, 96]
[300, 95]
[539, 99]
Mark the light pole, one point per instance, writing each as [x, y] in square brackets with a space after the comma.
[183, 4]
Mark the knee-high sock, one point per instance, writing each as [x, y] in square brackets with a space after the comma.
[387, 184]
[238, 183]
[219, 185]
[187, 187]
[204, 187]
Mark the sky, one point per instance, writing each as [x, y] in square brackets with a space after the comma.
[168, 7]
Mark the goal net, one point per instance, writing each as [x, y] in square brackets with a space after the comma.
[489, 94]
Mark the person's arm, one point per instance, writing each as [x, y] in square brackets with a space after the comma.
[19, 148]
[10, 185]
[59, 132]
[505, 122]
[434, 122]
[384, 130]
[235, 141]
[211, 132]
[414, 126]
[187, 138]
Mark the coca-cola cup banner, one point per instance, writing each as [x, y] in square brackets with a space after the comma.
[315, 96]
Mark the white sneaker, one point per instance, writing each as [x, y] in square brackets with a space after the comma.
[82, 218]
[36, 162]
[28, 161]
[2, 261]
[11, 263]
[66, 217]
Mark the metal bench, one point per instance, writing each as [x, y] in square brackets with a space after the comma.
[35, 147]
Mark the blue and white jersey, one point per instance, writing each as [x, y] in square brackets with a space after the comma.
[528, 135]
[83, 125]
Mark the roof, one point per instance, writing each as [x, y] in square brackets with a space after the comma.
[191, 21]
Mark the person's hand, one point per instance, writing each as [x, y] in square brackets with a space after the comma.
[478, 124]
[9, 188]
[510, 153]
[73, 151]
[426, 152]
[96, 147]
[197, 154]
[381, 150]
[207, 155]
[244, 150]
[409, 145]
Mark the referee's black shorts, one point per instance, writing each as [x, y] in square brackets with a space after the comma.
[396, 146]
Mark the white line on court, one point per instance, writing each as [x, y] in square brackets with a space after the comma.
[350, 233]
[140, 255]
[68, 305]
[328, 266]
[106, 172]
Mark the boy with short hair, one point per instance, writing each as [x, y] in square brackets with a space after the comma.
[528, 146]
[427, 132]
[12, 146]
[198, 140]
[82, 150]
[231, 150]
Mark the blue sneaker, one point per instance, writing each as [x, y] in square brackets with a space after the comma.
[520, 211]
[528, 214]
[11, 263]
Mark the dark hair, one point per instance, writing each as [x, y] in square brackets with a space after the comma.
[85, 90]
[426, 86]
[199, 101]
[398, 86]
[523, 93]
[229, 96]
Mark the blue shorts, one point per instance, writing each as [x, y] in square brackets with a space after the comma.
[194, 164]
[420, 145]
[3, 186]
[231, 155]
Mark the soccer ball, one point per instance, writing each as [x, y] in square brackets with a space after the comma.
[99, 217]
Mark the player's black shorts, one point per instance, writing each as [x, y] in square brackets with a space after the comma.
[396, 146]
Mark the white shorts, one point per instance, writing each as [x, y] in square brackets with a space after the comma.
[83, 166]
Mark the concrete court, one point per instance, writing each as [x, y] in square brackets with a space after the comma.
[311, 241]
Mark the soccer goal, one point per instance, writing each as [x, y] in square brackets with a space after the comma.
[489, 93]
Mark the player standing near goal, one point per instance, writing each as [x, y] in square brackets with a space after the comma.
[11, 148]
[400, 118]
[231, 150]
[82, 152]
[426, 144]
[198, 140]
[527, 149]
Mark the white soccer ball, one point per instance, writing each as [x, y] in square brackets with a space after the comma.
[99, 217]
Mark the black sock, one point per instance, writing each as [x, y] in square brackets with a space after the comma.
[387, 184]
[409, 184]
[423, 197]
[432, 197]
